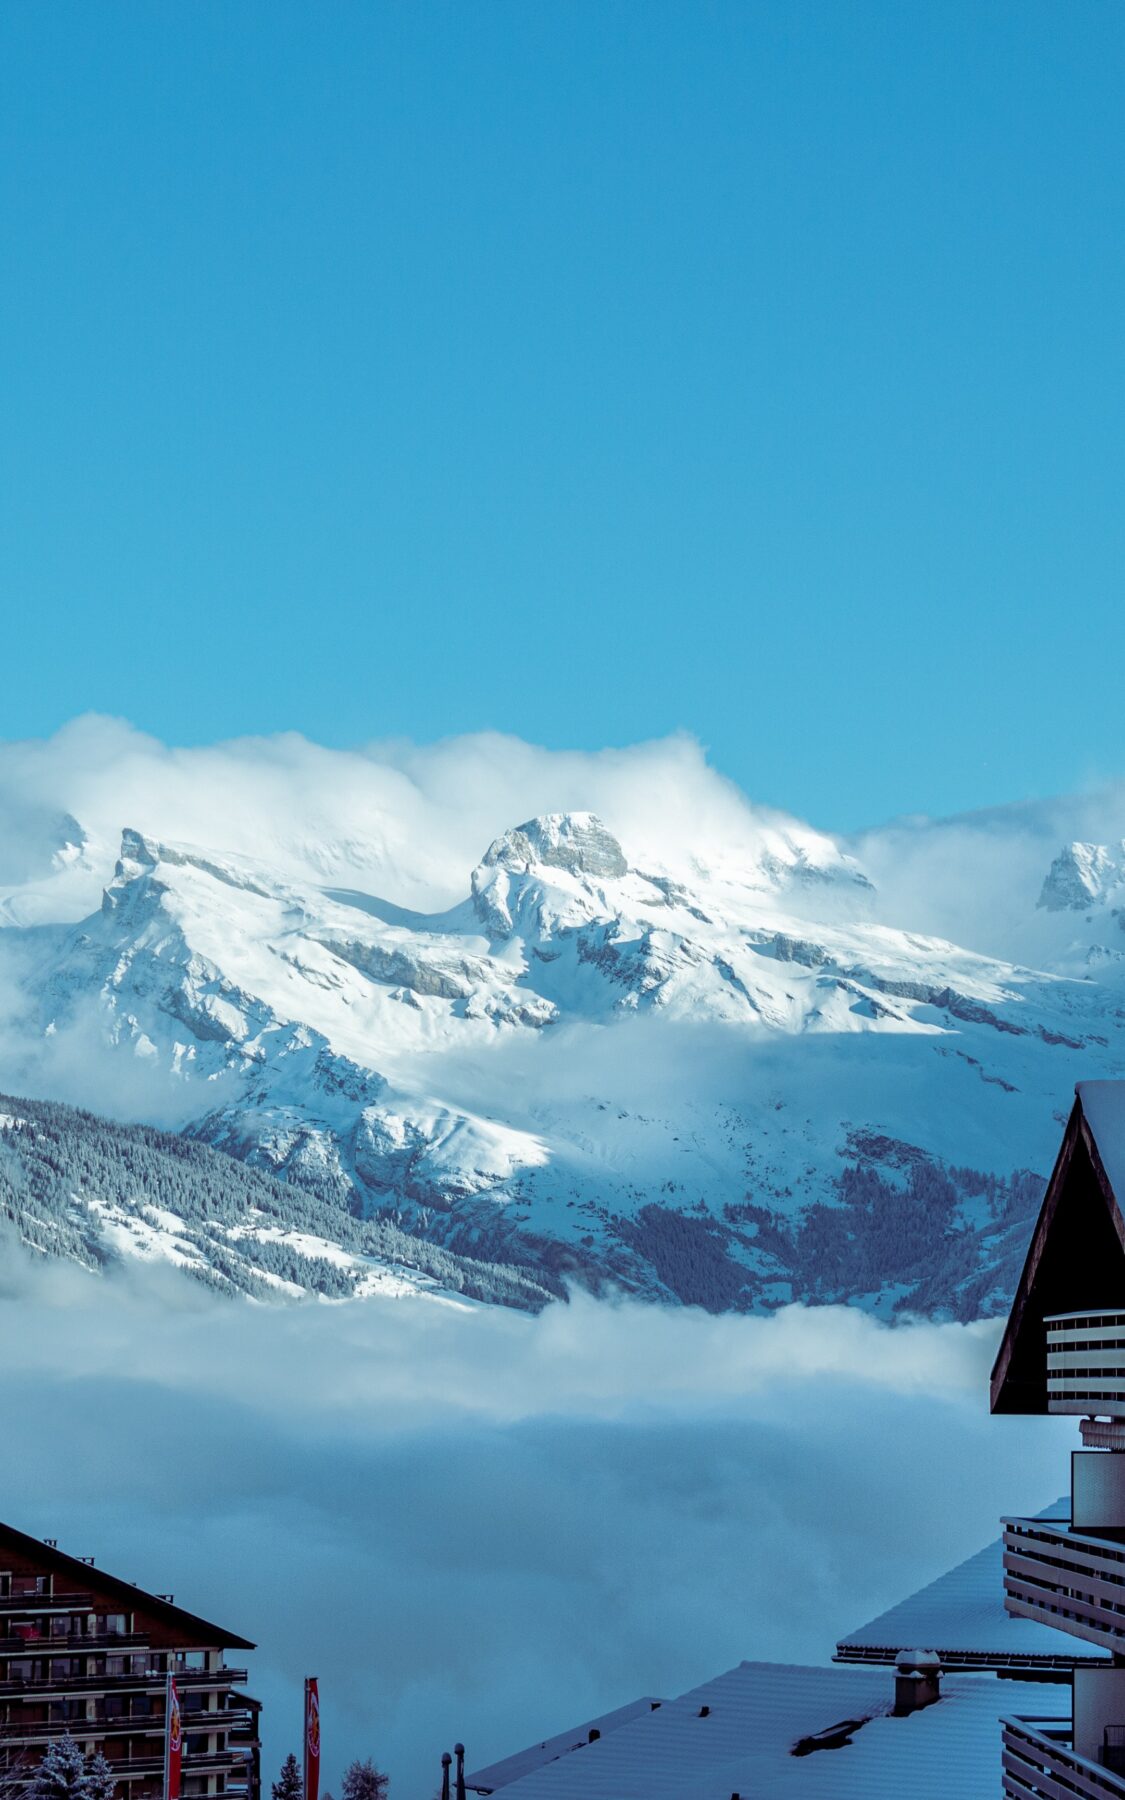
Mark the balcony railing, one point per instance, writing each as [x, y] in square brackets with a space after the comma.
[150, 1681]
[234, 1762]
[22, 1599]
[201, 1724]
[1086, 1363]
[1066, 1579]
[15, 1642]
[1040, 1765]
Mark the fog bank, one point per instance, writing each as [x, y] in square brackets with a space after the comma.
[475, 1524]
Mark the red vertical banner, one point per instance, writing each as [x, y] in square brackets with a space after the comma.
[312, 1739]
[173, 1742]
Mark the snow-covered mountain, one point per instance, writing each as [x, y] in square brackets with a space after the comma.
[707, 1069]
[96, 1193]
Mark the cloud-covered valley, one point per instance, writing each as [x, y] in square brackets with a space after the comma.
[476, 1524]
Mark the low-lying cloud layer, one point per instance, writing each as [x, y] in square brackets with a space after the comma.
[485, 1526]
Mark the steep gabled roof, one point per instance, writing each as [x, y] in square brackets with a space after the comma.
[85, 1578]
[1076, 1261]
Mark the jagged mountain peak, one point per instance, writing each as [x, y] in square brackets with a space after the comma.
[137, 851]
[575, 841]
[547, 874]
[1081, 876]
[142, 855]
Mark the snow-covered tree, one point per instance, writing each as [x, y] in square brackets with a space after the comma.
[62, 1774]
[363, 1781]
[100, 1780]
[289, 1785]
[14, 1779]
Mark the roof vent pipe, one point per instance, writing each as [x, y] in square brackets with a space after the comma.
[917, 1681]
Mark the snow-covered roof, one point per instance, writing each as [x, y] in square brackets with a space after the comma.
[736, 1735]
[961, 1615]
[1103, 1104]
[500, 1774]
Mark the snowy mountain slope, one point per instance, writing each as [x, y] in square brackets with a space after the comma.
[712, 1074]
[79, 1187]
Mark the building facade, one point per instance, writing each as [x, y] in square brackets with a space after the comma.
[1063, 1352]
[87, 1653]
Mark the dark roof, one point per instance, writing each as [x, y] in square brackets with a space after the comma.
[84, 1575]
[1076, 1260]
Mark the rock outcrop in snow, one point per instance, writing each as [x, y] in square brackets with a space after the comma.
[578, 842]
[1081, 876]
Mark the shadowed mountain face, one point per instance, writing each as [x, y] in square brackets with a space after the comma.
[716, 1079]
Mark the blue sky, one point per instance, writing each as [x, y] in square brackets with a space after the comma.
[583, 371]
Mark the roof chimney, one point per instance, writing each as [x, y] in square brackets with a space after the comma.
[917, 1681]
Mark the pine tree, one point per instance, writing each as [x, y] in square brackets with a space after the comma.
[289, 1785]
[62, 1773]
[99, 1779]
[363, 1781]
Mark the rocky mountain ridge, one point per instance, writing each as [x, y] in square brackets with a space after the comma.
[720, 1079]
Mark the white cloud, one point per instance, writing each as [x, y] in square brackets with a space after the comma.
[485, 1526]
[976, 878]
[412, 821]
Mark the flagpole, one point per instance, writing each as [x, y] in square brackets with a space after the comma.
[312, 1739]
[173, 1740]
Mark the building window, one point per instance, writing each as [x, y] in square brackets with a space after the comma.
[26, 1584]
[59, 1710]
[27, 1668]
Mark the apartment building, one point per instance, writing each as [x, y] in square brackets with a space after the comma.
[84, 1652]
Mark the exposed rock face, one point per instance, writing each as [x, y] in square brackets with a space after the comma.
[516, 870]
[578, 842]
[1081, 875]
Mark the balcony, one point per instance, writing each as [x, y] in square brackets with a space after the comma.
[150, 1681]
[1040, 1765]
[1066, 1579]
[29, 1642]
[1086, 1363]
[21, 1599]
[101, 1724]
